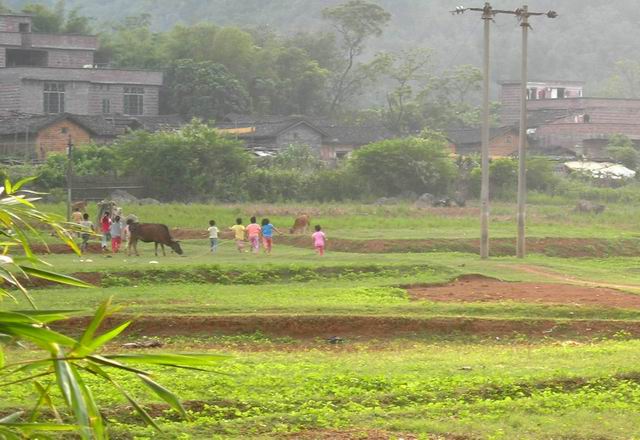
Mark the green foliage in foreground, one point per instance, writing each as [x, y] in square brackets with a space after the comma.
[480, 390]
[63, 363]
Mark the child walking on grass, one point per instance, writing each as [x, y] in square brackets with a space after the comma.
[213, 236]
[319, 240]
[115, 231]
[239, 233]
[86, 234]
[253, 231]
[267, 235]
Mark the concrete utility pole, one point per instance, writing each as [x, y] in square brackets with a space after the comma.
[69, 178]
[523, 15]
[487, 15]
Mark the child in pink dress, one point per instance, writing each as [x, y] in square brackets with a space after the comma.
[253, 232]
[319, 240]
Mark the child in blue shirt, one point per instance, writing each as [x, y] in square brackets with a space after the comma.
[267, 235]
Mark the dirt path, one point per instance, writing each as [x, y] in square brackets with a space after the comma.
[549, 273]
[482, 289]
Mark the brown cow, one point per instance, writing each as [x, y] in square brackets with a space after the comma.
[301, 224]
[151, 233]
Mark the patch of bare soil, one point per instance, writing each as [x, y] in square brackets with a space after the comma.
[473, 289]
[379, 327]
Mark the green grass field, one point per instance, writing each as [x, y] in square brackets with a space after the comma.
[447, 369]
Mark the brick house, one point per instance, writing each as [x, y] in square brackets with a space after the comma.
[32, 138]
[53, 73]
[503, 141]
[561, 117]
[331, 140]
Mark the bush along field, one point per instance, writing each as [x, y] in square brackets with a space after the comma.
[399, 331]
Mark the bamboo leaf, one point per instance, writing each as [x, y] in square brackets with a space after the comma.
[22, 182]
[73, 396]
[38, 335]
[101, 340]
[36, 427]
[174, 360]
[11, 417]
[52, 276]
[164, 394]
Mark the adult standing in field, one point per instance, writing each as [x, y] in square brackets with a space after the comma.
[239, 234]
[213, 236]
[116, 234]
[267, 235]
[105, 229]
[253, 232]
[319, 240]
[76, 216]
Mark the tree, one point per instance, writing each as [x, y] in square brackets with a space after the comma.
[409, 70]
[77, 24]
[191, 42]
[132, 44]
[622, 150]
[66, 362]
[418, 164]
[355, 21]
[203, 89]
[46, 19]
[447, 100]
[196, 161]
[625, 80]
[300, 86]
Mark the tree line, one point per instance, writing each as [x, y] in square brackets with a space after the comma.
[211, 71]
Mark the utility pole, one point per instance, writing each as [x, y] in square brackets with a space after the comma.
[488, 13]
[523, 15]
[69, 177]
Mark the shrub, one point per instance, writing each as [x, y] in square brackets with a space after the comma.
[415, 164]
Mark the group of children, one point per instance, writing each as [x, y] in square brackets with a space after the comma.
[254, 232]
[112, 230]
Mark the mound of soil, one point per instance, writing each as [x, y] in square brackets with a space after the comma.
[482, 289]
[351, 434]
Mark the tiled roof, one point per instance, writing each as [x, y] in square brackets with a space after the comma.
[473, 135]
[333, 132]
[20, 124]
[98, 125]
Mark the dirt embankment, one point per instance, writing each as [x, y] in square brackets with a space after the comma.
[383, 327]
[472, 288]
[550, 246]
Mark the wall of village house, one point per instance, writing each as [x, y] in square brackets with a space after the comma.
[300, 135]
[3, 57]
[55, 138]
[9, 23]
[76, 97]
[115, 94]
[79, 97]
[501, 146]
[10, 96]
[569, 135]
[69, 58]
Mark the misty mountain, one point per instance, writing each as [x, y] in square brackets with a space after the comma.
[583, 43]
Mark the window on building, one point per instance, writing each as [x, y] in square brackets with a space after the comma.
[64, 130]
[133, 100]
[106, 106]
[26, 58]
[24, 27]
[53, 97]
